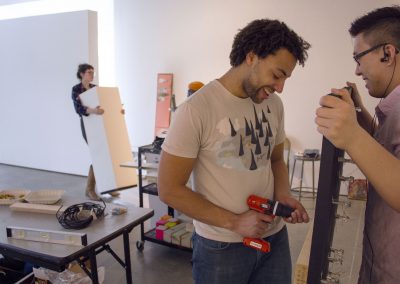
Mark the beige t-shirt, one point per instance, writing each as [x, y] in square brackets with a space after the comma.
[232, 139]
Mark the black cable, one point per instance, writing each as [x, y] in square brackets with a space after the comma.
[79, 216]
[391, 79]
[373, 122]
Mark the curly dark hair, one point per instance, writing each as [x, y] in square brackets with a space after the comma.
[82, 69]
[379, 26]
[265, 37]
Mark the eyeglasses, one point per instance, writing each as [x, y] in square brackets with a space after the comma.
[357, 56]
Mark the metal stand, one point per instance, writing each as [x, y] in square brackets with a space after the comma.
[325, 211]
[303, 159]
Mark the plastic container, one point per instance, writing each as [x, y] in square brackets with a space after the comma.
[45, 196]
[10, 196]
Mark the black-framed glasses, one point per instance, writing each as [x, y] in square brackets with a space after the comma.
[357, 56]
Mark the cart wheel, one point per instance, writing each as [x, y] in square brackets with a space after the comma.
[140, 245]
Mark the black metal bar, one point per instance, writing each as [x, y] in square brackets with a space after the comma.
[83, 259]
[128, 269]
[325, 212]
[171, 211]
[105, 247]
[140, 190]
[335, 197]
[291, 178]
[84, 240]
[117, 258]
[83, 266]
[140, 176]
[97, 251]
[301, 177]
[9, 232]
[118, 188]
[93, 267]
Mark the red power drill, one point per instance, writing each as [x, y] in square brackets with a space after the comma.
[268, 207]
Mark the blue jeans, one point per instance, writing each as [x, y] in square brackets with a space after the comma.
[235, 263]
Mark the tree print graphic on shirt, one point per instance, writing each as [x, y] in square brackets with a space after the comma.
[247, 142]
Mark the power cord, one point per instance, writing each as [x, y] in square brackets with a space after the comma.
[373, 122]
[79, 216]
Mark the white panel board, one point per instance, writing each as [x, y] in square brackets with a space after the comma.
[108, 139]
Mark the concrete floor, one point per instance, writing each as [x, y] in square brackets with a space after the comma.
[160, 264]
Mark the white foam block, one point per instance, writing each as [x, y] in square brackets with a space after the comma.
[168, 233]
[177, 236]
[36, 208]
[186, 240]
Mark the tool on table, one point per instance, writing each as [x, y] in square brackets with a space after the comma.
[118, 210]
[47, 236]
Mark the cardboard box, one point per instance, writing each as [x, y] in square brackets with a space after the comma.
[177, 236]
[168, 233]
[189, 227]
[186, 240]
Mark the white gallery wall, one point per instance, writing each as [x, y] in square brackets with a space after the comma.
[12, 9]
[192, 39]
[39, 58]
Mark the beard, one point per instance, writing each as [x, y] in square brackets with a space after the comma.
[252, 91]
[255, 93]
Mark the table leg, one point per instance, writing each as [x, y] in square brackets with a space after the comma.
[127, 252]
[93, 267]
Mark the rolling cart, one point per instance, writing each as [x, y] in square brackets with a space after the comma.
[150, 188]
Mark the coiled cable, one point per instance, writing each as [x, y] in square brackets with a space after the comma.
[79, 216]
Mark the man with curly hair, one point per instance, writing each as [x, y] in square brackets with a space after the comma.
[230, 133]
[375, 148]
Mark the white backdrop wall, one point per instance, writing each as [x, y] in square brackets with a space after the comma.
[38, 124]
[11, 9]
[192, 39]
